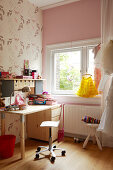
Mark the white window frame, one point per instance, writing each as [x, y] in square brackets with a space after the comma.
[53, 68]
[50, 49]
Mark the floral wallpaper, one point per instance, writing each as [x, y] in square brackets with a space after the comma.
[20, 35]
[20, 39]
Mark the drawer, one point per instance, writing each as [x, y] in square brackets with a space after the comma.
[55, 112]
[33, 125]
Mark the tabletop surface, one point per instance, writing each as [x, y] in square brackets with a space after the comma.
[32, 109]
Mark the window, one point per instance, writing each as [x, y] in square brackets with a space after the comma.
[67, 65]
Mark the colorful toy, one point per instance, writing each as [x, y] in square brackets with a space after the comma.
[88, 119]
[45, 92]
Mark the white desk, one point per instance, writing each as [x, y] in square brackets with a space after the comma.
[23, 113]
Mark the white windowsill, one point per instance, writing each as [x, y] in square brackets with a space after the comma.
[79, 100]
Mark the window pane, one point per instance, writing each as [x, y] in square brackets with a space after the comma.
[67, 70]
[91, 62]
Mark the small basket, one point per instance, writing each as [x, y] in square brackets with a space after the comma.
[7, 145]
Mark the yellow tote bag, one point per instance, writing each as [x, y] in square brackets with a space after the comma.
[87, 88]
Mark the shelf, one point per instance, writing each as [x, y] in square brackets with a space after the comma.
[23, 79]
[7, 86]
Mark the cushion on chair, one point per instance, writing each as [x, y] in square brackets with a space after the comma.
[50, 124]
[92, 125]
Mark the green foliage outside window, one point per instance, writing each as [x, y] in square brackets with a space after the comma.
[69, 75]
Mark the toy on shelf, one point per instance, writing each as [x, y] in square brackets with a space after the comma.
[2, 102]
[26, 68]
[39, 77]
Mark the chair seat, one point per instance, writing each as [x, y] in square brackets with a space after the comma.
[92, 125]
[50, 124]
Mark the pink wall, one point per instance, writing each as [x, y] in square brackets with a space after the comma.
[71, 22]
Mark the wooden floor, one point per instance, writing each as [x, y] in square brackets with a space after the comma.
[76, 158]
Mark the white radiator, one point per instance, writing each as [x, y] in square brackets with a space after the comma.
[74, 114]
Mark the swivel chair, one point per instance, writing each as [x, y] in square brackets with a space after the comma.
[51, 147]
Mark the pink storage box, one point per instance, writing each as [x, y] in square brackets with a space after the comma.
[51, 102]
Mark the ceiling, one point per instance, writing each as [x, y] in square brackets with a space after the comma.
[45, 4]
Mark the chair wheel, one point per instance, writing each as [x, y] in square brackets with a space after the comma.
[54, 146]
[63, 153]
[37, 156]
[52, 159]
[38, 149]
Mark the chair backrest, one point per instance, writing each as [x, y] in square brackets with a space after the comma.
[61, 131]
[62, 112]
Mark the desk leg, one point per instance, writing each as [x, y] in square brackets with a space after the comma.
[22, 137]
[2, 123]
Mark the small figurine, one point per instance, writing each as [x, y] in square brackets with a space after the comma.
[39, 77]
[2, 102]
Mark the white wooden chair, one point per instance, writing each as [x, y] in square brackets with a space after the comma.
[92, 133]
[51, 147]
